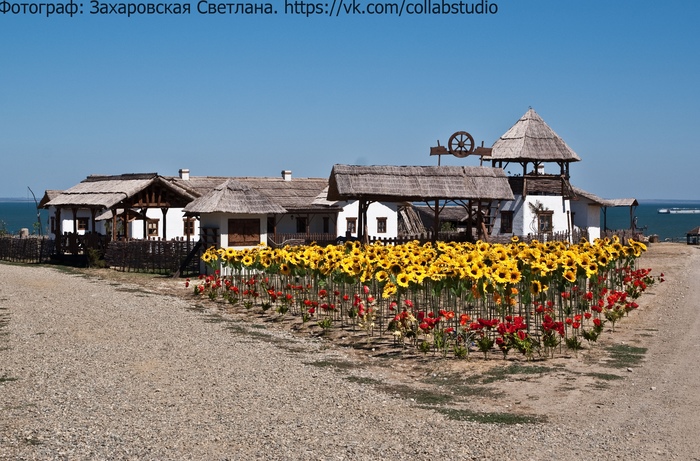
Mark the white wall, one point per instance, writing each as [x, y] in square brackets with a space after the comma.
[525, 220]
[67, 218]
[175, 224]
[587, 216]
[220, 221]
[374, 211]
[287, 224]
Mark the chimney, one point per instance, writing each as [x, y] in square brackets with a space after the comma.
[184, 174]
[287, 175]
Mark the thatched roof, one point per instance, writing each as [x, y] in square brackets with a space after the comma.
[233, 197]
[49, 195]
[613, 202]
[417, 183]
[109, 191]
[590, 197]
[532, 140]
[294, 195]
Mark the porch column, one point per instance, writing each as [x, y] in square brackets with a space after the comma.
[59, 231]
[75, 220]
[165, 223]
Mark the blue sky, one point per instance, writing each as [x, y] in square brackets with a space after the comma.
[252, 95]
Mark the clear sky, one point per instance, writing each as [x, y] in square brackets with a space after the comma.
[251, 95]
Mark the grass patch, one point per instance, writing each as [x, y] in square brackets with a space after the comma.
[340, 364]
[604, 376]
[489, 418]
[624, 355]
[7, 379]
[363, 380]
[501, 373]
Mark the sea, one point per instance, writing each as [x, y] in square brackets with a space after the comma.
[19, 213]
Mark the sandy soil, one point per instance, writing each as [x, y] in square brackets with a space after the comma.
[650, 405]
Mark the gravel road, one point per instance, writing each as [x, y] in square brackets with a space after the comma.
[94, 369]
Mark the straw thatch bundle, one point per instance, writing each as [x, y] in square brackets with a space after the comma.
[233, 197]
[417, 183]
[532, 140]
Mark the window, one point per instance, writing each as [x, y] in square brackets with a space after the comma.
[82, 224]
[152, 227]
[53, 224]
[506, 222]
[243, 232]
[301, 225]
[544, 222]
[351, 225]
[188, 227]
[381, 225]
[326, 225]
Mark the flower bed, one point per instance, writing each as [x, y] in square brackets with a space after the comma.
[446, 298]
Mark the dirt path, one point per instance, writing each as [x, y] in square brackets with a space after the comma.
[633, 395]
[659, 404]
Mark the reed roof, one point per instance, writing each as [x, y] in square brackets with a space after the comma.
[417, 183]
[296, 194]
[233, 196]
[591, 197]
[614, 202]
[532, 140]
[97, 191]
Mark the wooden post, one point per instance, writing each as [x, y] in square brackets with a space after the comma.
[165, 223]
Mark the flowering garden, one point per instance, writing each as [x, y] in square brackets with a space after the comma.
[452, 299]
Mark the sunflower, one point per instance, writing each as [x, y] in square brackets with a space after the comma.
[536, 287]
[381, 276]
[285, 269]
[500, 273]
[389, 290]
[402, 280]
[514, 275]
[570, 276]
[475, 272]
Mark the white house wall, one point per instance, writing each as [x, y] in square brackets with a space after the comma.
[287, 223]
[220, 221]
[525, 220]
[175, 224]
[587, 216]
[374, 211]
[67, 218]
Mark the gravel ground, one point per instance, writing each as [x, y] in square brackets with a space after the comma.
[92, 369]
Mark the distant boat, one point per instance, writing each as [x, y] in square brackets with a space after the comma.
[679, 210]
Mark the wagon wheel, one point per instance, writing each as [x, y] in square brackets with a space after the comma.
[461, 144]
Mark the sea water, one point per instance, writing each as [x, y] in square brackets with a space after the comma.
[16, 214]
[672, 227]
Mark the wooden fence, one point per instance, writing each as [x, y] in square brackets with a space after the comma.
[26, 250]
[179, 257]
